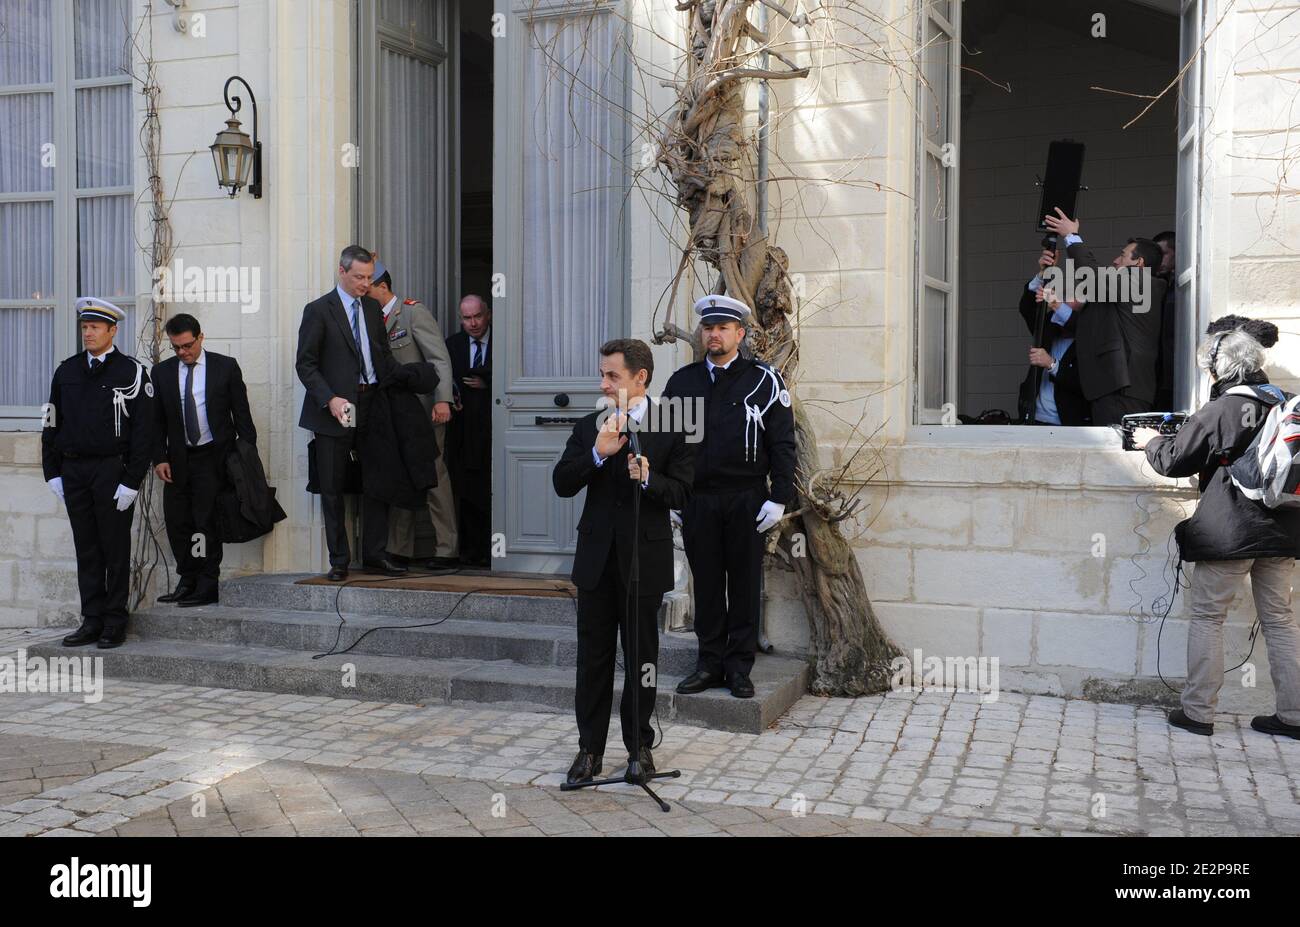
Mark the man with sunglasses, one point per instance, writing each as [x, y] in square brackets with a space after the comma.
[201, 408]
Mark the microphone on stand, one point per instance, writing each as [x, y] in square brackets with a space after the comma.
[633, 441]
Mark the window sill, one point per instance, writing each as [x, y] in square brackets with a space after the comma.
[1045, 457]
[16, 423]
[1016, 436]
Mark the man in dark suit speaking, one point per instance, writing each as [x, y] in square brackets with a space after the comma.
[201, 407]
[597, 458]
[343, 353]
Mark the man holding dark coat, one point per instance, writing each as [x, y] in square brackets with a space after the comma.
[343, 354]
[201, 407]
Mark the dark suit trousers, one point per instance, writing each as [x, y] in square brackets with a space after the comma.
[725, 552]
[474, 494]
[101, 536]
[1109, 409]
[190, 512]
[601, 618]
[332, 453]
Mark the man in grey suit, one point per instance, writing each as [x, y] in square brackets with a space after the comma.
[414, 337]
[343, 354]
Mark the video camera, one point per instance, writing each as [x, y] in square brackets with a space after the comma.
[1167, 423]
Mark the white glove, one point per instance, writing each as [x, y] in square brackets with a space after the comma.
[769, 515]
[124, 497]
[56, 486]
[675, 515]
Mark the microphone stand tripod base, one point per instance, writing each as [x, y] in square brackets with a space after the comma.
[632, 776]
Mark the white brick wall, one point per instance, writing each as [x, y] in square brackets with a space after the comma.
[38, 575]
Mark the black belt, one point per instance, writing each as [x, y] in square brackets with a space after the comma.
[362, 387]
[198, 448]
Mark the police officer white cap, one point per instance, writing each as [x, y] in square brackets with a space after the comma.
[90, 309]
[717, 308]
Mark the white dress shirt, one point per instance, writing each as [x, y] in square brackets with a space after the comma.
[199, 387]
[368, 371]
[713, 366]
[483, 350]
[1045, 409]
[90, 358]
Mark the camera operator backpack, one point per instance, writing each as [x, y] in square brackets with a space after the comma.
[1269, 470]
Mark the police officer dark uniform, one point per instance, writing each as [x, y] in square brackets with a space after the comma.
[95, 453]
[747, 436]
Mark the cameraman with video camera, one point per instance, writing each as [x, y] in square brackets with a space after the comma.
[1231, 536]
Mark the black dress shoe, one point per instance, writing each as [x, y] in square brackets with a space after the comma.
[647, 761]
[110, 639]
[1272, 724]
[385, 566]
[337, 574]
[698, 681]
[442, 563]
[741, 687]
[585, 768]
[1178, 718]
[198, 598]
[82, 636]
[184, 589]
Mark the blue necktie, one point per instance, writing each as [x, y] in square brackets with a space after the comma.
[477, 361]
[356, 333]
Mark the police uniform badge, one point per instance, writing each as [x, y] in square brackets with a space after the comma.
[148, 390]
[785, 398]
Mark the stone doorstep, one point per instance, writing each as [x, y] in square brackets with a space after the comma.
[528, 643]
[779, 682]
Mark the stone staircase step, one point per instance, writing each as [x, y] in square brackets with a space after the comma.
[529, 644]
[281, 591]
[419, 680]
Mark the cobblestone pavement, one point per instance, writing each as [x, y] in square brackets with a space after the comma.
[286, 799]
[912, 763]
